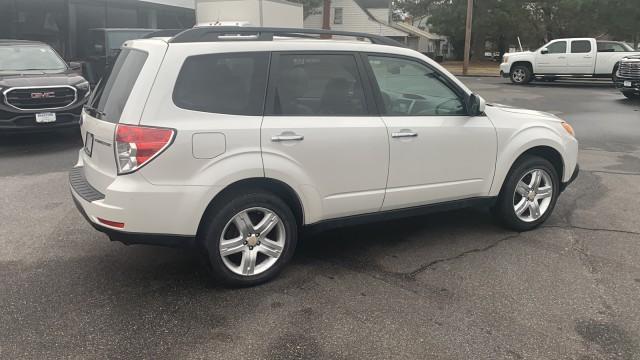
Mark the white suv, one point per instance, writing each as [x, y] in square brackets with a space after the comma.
[234, 139]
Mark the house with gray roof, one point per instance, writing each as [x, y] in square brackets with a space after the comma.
[374, 17]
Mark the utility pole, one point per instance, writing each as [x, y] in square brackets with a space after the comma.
[326, 18]
[467, 38]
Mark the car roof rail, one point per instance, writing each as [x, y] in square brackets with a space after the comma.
[243, 33]
[163, 33]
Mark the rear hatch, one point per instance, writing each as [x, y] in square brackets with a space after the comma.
[119, 98]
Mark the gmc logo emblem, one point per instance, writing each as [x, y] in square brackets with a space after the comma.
[43, 95]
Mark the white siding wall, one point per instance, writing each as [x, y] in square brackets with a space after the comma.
[276, 13]
[281, 14]
[354, 19]
[228, 10]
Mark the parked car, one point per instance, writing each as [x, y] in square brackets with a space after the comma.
[576, 58]
[102, 48]
[628, 77]
[40, 91]
[251, 134]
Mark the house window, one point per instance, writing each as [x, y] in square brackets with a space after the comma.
[337, 15]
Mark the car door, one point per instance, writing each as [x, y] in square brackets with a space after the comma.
[552, 58]
[437, 152]
[581, 58]
[321, 134]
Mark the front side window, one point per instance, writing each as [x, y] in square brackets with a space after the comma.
[29, 57]
[558, 47]
[233, 83]
[410, 88]
[580, 47]
[318, 85]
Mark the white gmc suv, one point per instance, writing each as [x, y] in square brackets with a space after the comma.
[234, 139]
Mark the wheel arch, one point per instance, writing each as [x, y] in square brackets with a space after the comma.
[546, 152]
[277, 187]
[546, 149]
[526, 63]
[616, 66]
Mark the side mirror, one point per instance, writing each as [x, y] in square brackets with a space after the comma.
[544, 51]
[74, 65]
[476, 105]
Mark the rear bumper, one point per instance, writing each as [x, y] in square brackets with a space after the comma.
[145, 221]
[574, 176]
[129, 238]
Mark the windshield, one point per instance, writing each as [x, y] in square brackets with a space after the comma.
[627, 47]
[29, 57]
[611, 46]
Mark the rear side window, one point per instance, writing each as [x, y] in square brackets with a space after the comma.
[318, 85]
[580, 47]
[114, 89]
[230, 83]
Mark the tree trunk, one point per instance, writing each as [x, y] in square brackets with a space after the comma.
[479, 37]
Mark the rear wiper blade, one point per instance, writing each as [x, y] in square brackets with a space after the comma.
[94, 110]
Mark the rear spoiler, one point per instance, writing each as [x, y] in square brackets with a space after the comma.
[164, 33]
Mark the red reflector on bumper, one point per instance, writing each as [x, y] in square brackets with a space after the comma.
[112, 223]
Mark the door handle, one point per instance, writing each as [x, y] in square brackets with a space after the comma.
[404, 134]
[562, 57]
[288, 137]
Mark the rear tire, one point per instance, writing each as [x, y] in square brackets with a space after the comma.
[532, 179]
[248, 238]
[520, 75]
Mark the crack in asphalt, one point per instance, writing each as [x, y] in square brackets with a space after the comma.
[424, 267]
[571, 226]
[391, 278]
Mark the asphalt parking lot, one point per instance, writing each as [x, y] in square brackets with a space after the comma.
[447, 286]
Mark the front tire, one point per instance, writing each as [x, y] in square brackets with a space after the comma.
[529, 194]
[520, 75]
[249, 238]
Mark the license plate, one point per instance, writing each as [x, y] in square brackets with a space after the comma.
[88, 144]
[44, 118]
[627, 84]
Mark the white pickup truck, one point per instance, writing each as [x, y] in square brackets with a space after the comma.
[578, 57]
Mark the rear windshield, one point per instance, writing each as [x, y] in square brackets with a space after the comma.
[114, 89]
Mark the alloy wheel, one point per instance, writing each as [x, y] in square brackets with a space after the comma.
[533, 194]
[519, 75]
[252, 241]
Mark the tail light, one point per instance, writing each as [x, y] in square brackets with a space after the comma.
[135, 146]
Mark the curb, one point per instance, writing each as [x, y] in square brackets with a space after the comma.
[472, 75]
